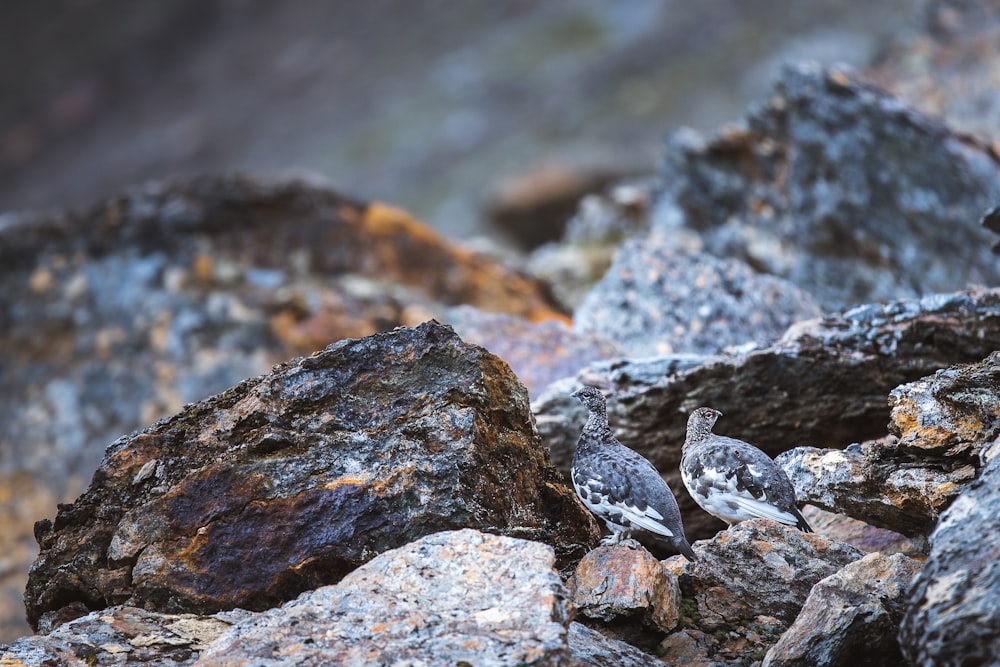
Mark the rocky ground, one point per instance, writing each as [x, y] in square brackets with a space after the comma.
[820, 272]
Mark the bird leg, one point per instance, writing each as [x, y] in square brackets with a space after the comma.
[622, 538]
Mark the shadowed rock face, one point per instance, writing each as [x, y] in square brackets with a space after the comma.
[291, 480]
[824, 382]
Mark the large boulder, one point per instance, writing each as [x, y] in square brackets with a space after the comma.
[839, 188]
[953, 616]
[850, 618]
[825, 383]
[453, 598]
[940, 424]
[289, 481]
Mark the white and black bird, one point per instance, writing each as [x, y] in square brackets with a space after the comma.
[733, 480]
[619, 485]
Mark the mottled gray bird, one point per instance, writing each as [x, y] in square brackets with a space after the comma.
[619, 485]
[733, 480]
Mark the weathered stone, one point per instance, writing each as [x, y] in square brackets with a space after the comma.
[851, 618]
[307, 473]
[860, 535]
[825, 382]
[953, 617]
[121, 635]
[621, 582]
[589, 648]
[755, 568]
[655, 301]
[538, 352]
[902, 482]
[457, 597]
[839, 188]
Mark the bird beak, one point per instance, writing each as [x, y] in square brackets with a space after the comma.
[576, 394]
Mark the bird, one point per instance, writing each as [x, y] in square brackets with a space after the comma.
[733, 480]
[619, 485]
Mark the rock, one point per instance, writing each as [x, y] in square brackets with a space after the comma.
[839, 188]
[860, 535]
[308, 472]
[538, 352]
[824, 382]
[850, 618]
[621, 582]
[953, 617]
[589, 648]
[758, 567]
[655, 301]
[940, 425]
[120, 635]
[457, 597]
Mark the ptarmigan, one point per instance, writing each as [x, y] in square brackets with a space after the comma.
[619, 485]
[732, 479]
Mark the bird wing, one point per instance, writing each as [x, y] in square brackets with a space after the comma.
[615, 486]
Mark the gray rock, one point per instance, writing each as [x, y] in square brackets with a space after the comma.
[940, 425]
[850, 618]
[122, 635]
[655, 300]
[306, 473]
[824, 382]
[457, 597]
[953, 616]
[620, 582]
[841, 189]
[589, 648]
[758, 567]
[861, 535]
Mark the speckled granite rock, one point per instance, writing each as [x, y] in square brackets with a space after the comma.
[458, 597]
[307, 473]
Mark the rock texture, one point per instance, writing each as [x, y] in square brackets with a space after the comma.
[122, 635]
[940, 424]
[841, 189]
[824, 382]
[307, 473]
[850, 618]
[459, 597]
[655, 300]
[621, 582]
[953, 617]
[861, 535]
[759, 567]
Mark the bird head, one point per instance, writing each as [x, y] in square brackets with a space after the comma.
[700, 423]
[592, 398]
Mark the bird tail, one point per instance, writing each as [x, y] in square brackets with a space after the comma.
[681, 544]
[800, 521]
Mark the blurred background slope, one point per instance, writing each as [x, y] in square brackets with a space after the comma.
[432, 105]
